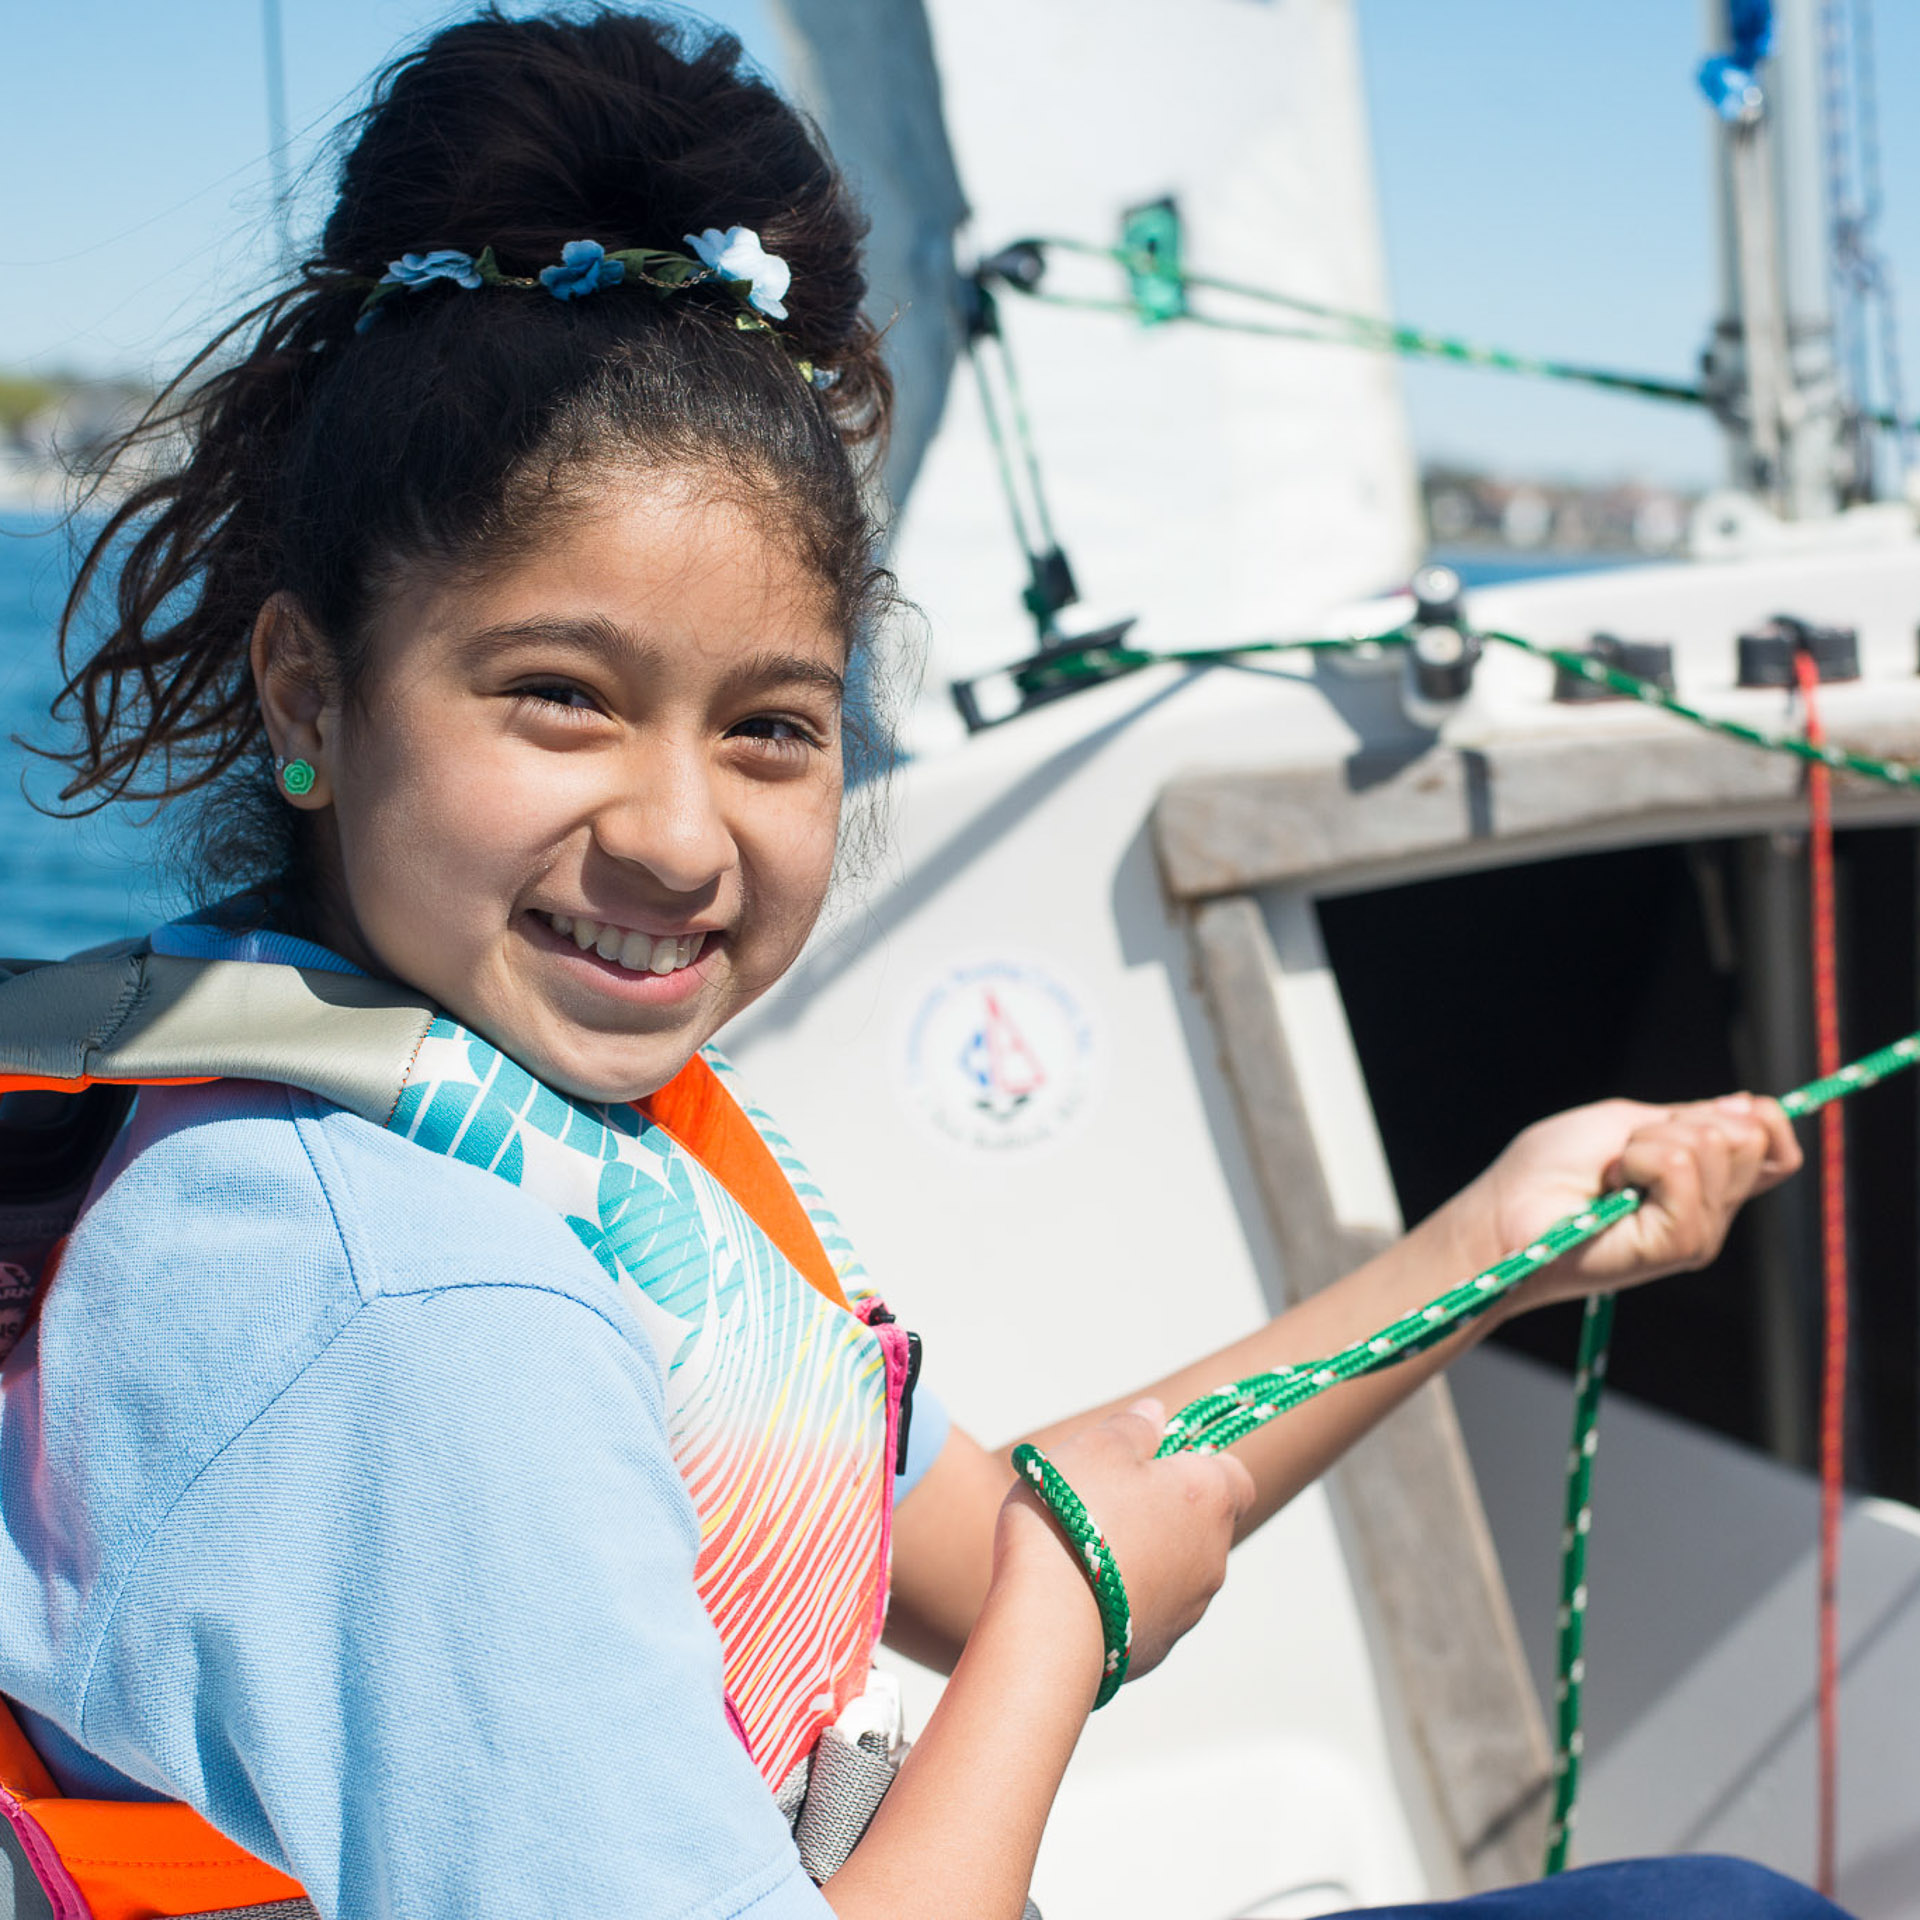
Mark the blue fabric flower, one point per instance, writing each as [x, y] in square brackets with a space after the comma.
[1733, 91]
[737, 255]
[584, 268]
[443, 263]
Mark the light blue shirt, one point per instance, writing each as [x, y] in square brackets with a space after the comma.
[338, 1503]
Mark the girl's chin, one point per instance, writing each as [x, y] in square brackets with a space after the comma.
[603, 1070]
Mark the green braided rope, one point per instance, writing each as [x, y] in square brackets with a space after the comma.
[1233, 1411]
[1066, 666]
[1241, 1407]
[1588, 668]
[1362, 330]
[1589, 1379]
[1096, 1557]
[1596, 1330]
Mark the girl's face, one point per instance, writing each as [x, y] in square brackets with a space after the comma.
[589, 803]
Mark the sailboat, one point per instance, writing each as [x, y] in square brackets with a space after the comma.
[1179, 993]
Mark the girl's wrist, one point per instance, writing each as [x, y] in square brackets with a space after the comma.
[1461, 1239]
[1036, 1577]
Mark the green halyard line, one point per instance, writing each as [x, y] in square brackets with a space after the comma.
[1366, 330]
[1589, 1382]
[1069, 665]
[1233, 1411]
[1893, 773]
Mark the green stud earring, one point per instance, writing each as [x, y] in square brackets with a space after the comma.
[297, 776]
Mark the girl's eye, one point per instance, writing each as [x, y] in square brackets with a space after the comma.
[558, 693]
[780, 731]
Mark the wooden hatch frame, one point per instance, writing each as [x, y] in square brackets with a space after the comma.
[1446, 1648]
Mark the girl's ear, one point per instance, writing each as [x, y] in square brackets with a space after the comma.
[289, 676]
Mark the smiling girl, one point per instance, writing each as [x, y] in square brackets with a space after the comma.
[458, 1461]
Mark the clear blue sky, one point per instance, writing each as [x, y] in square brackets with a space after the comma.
[1542, 170]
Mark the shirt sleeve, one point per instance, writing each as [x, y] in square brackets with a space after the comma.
[425, 1634]
[926, 1434]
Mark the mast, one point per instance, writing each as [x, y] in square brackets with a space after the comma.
[1771, 360]
[276, 75]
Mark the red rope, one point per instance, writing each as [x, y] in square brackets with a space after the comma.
[1833, 1230]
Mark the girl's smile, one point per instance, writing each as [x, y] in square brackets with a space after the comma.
[588, 800]
[651, 969]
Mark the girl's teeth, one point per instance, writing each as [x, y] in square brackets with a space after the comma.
[637, 952]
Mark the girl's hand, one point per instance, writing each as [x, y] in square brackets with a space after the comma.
[1169, 1523]
[1697, 1164]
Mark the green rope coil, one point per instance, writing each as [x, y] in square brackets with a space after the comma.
[1096, 1557]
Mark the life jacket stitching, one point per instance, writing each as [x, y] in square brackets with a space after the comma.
[406, 1072]
[132, 996]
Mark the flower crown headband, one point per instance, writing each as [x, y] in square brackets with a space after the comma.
[732, 258]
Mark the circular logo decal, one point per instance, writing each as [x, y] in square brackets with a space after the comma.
[1000, 1054]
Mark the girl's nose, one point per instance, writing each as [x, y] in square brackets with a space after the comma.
[666, 817]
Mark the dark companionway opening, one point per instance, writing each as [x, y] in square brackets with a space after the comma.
[1483, 1001]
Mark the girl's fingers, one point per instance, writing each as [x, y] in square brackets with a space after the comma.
[1666, 1166]
[1701, 1165]
[1143, 1423]
[1761, 1144]
[1784, 1156]
[1697, 1164]
[1240, 1487]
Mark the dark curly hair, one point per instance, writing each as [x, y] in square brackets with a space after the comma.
[320, 459]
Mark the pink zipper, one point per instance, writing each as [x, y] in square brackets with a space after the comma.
[896, 1349]
[63, 1896]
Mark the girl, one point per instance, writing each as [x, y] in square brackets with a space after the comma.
[469, 1488]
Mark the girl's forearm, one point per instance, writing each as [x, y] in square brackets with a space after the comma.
[1289, 1455]
[943, 1535]
[958, 1833]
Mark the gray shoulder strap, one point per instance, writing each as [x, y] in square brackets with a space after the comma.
[145, 1016]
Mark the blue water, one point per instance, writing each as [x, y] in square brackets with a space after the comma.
[64, 884]
[1491, 566]
[68, 884]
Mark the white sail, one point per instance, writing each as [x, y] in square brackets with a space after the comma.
[1212, 484]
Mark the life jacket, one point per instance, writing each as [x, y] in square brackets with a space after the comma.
[787, 1383]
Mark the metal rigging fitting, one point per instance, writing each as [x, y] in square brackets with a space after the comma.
[1442, 651]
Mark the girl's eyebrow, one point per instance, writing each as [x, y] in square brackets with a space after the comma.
[618, 647]
[777, 668]
[591, 633]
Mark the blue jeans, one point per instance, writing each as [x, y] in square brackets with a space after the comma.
[1699, 1886]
